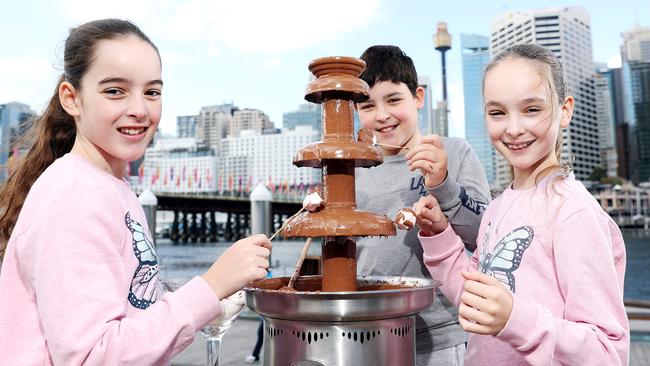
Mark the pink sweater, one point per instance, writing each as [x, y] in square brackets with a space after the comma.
[563, 259]
[80, 283]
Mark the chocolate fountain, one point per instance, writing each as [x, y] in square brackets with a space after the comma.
[339, 318]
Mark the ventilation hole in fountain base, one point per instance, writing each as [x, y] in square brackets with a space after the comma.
[273, 332]
[401, 331]
[360, 336]
[309, 336]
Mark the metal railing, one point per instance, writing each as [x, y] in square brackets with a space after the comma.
[642, 311]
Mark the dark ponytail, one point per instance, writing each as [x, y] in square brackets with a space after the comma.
[53, 133]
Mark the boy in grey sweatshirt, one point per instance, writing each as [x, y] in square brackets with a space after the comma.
[415, 165]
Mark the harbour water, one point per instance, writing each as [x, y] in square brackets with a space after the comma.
[191, 260]
[637, 272]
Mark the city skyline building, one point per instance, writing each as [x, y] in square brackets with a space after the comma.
[179, 165]
[254, 157]
[635, 55]
[186, 126]
[12, 126]
[213, 122]
[605, 113]
[307, 114]
[475, 57]
[248, 119]
[425, 114]
[614, 80]
[439, 119]
[566, 32]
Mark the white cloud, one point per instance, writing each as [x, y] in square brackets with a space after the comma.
[614, 61]
[138, 11]
[27, 80]
[173, 58]
[20, 68]
[249, 26]
[214, 50]
[261, 25]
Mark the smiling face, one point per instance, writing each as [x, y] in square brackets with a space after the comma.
[391, 113]
[522, 118]
[118, 105]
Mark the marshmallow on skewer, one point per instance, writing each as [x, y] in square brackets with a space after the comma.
[365, 135]
[312, 202]
[405, 219]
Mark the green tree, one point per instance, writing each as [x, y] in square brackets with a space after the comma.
[612, 180]
[598, 174]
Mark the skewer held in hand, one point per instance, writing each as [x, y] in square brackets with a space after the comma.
[285, 224]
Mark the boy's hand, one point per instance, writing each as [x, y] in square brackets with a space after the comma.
[244, 261]
[431, 158]
[429, 216]
[485, 305]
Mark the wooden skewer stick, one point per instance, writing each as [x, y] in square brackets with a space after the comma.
[301, 259]
[374, 141]
[285, 224]
[395, 146]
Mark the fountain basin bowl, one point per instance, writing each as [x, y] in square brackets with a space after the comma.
[379, 297]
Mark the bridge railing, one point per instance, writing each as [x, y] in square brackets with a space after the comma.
[637, 309]
[239, 196]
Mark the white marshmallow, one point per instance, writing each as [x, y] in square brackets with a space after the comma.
[312, 202]
[405, 219]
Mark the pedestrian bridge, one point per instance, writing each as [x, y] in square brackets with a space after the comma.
[194, 215]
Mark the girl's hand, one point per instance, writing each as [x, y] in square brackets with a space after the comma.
[245, 261]
[429, 216]
[485, 305]
[431, 158]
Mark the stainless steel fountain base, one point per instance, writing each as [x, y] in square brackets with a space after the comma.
[378, 342]
[342, 328]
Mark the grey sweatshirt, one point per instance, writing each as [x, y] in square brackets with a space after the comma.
[387, 188]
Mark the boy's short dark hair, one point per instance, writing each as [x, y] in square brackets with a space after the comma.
[389, 63]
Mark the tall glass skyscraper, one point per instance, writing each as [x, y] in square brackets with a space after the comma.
[425, 114]
[606, 114]
[476, 55]
[308, 114]
[636, 85]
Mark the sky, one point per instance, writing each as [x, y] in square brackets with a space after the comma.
[255, 53]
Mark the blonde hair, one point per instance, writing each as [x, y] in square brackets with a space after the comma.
[551, 72]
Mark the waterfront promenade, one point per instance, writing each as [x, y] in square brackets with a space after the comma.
[237, 344]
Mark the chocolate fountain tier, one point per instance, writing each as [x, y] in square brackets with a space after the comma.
[362, 154]
[337, 78]
[339, 221]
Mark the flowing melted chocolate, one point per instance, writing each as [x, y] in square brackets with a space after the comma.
[339, 264]
[314, 284]
[337, 87]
